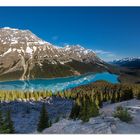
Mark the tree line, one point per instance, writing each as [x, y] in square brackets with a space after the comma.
[104, 90]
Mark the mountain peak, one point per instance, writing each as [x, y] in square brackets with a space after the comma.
[79, 49]
[9, 28]
[14, 36]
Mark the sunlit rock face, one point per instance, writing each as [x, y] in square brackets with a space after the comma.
[23, 55]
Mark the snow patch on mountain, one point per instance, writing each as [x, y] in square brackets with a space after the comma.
[8, 28]
[127, 59]
[29, 50]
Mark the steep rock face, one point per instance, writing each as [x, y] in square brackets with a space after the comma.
[23, 55]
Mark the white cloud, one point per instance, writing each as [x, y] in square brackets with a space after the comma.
[102, 52]
[105, 55]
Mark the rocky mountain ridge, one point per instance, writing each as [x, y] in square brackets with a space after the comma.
[23, 55]
[130, 62]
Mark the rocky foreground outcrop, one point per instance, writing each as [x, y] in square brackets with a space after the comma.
[104, 124]
[25, 118]
[99, 125]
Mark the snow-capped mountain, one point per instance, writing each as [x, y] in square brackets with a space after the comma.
[23, 55]
[130, 62]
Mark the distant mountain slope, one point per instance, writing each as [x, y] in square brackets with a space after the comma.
[23, 55]
[128, 62]
[129, 69]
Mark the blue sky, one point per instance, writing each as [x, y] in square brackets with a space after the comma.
[112, 32]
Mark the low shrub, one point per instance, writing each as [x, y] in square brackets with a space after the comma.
[122, 114]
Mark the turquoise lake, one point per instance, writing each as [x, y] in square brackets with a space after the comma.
[58, 84]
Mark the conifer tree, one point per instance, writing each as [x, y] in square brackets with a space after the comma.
[83, 115]
[36, 96]
[118, 96]
[138, 96]
[113, 98]
[57, 119]
[50, 123]
[94, 110]
[9, 123]
[1, 122]
[27, 96]
[75, 111]
[3, 127]
[44, 94]
[97, 101]
[43, 119]
[89, 109]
